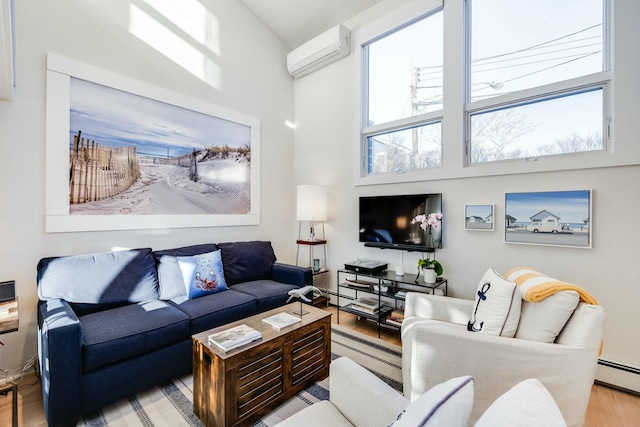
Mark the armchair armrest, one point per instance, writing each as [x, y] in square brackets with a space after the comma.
[60, 347]
[435, 351]
[360, 396]
[291, 274]
[436, 307]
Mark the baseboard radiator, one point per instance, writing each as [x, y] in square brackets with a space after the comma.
[621, 377]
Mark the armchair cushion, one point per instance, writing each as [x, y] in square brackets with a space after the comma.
[447, 404]
[527, 404]
[542, 321]
[496, 310]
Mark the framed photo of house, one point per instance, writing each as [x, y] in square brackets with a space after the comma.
[478, 217]
[551, 218]
[122, 154]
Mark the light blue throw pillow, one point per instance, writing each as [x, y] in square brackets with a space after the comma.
[202, 274]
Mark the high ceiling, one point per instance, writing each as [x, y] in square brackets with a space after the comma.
[297, 21]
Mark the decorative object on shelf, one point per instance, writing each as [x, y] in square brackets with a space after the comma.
[312, 206]
[300, 294]
[430, 268]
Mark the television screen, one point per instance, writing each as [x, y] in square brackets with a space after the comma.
[385, 221]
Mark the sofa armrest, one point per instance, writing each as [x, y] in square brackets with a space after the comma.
[360, 396]
[60, 353]
[436, 307]
[434, 351]
[291, 274]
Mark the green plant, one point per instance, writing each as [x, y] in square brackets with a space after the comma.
[432, 264]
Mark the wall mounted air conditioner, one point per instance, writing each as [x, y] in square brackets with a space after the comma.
[320, 51]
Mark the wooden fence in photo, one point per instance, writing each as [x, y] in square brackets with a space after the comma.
[97, 172]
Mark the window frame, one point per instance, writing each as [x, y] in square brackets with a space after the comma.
[567, 87]
[454, 115]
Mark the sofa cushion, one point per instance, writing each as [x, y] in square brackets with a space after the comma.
[202, 274]
[99, 279]
[447, 404]
[496, 309]
[169, 274]
[245, 261]
[215, 310]
[542, 321]
[269, 294]
[527, 404]
[124, 332]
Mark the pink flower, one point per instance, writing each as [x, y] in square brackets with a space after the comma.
[428, 221]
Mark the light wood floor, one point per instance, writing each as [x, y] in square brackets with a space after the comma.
[607, 407]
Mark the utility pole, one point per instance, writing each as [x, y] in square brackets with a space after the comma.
[414, 112]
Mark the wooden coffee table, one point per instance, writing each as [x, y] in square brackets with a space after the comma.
[237, 387]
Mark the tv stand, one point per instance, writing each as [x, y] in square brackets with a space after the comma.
[373, 284]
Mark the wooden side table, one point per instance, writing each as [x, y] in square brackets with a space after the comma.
[4, 390]
[9, 316]
[9, 323]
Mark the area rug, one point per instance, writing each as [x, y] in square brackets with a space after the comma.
[171, 404]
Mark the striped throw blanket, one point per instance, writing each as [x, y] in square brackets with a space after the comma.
[535, 286]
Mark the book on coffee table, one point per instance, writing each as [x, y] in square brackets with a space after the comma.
[235, 337]
[281, 320]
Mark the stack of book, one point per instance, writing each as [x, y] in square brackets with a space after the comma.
[366, 305]
[235, 337]
[281, 320]
[395, 318]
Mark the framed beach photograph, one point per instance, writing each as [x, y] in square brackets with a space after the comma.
[122, 154]
[551, 218]
[478, 217]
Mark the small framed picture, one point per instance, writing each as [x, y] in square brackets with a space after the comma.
[478, 217]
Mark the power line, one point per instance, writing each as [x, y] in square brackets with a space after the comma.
[539, 44]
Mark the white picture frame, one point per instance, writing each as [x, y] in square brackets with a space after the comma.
[479, 217]
[549, 218]
[58, 218]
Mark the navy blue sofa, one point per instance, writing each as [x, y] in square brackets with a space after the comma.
[113, 324]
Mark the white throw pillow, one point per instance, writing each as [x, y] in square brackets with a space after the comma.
[527, 404]
[496, 310]
[542, 321]
[447, 404]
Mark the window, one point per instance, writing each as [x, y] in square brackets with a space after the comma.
[403, 88]
[537, 79]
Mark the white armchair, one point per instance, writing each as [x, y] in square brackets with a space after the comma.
[357, 398]
[436, 346]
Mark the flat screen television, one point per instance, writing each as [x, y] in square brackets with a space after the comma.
[385, 221]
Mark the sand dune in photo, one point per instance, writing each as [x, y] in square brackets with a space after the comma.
[223, 187]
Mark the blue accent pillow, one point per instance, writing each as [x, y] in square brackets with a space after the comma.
[202, 274]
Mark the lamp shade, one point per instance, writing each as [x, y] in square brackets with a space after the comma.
[311, 203]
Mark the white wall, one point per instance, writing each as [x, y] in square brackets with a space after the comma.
[253, 80]
[325, 150]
